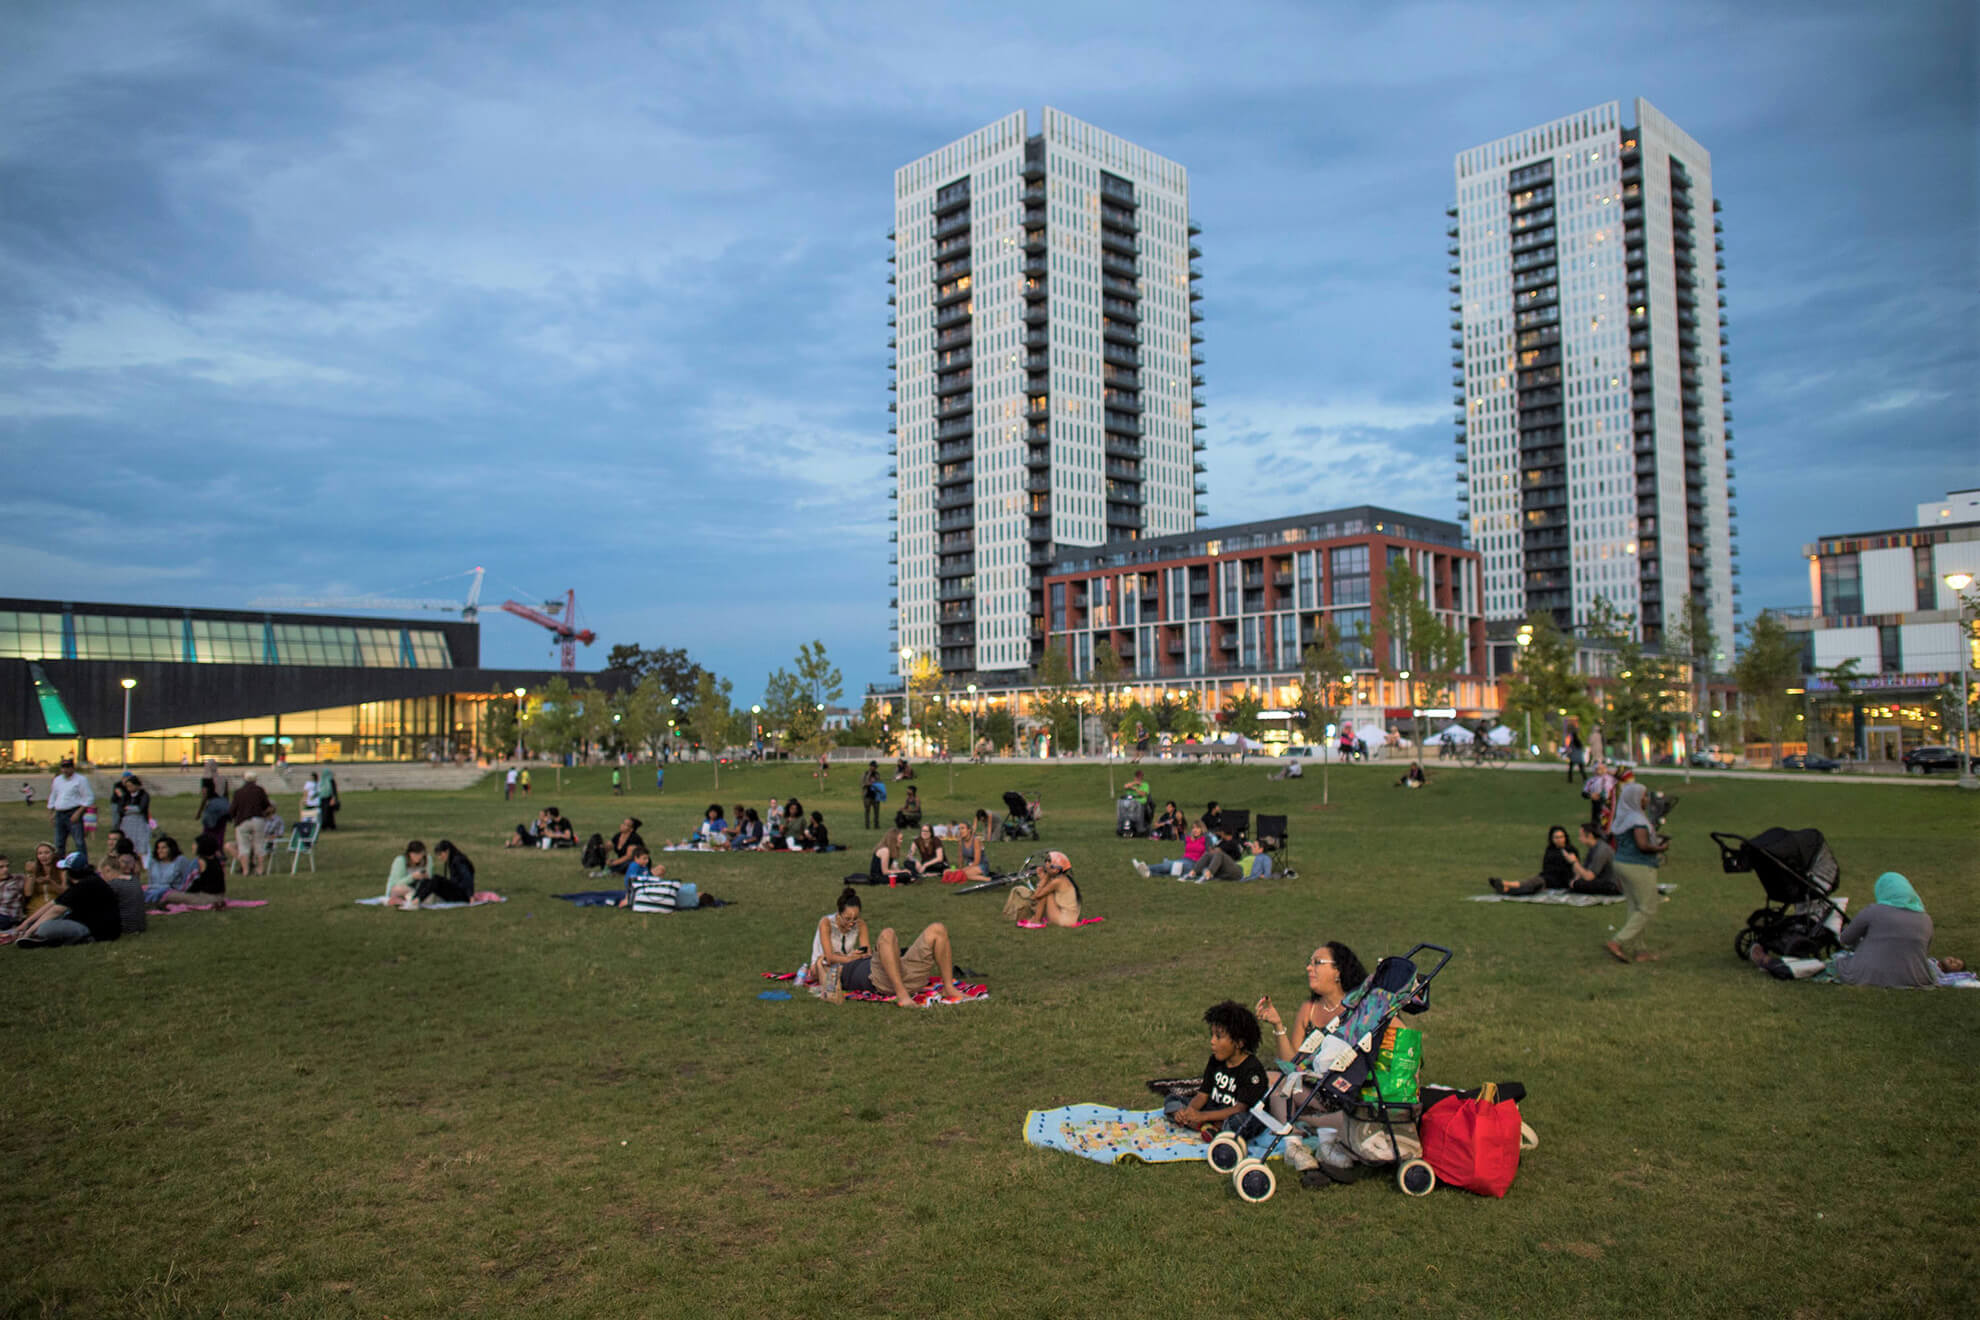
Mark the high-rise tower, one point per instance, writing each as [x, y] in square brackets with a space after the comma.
[1044, 374]
[1594, 446]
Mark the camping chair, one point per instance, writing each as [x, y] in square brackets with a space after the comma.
[302, 843]
[1272, 833]
[1238, 821]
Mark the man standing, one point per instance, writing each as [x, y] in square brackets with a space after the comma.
[250, 806]
[509, 784]
[326, 788]
[69, 796]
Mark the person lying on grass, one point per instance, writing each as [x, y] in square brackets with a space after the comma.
[1233, 1080]
[409, 869]
[1556, 868]
[879, 966]
[1884, 944]
[1051, 900]
[1197, 844]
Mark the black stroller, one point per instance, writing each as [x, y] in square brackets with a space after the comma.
[1131, 818]
[1798, 873]
[1019, 822]
[1338, 1063]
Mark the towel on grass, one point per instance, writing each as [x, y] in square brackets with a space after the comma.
[1108, 1135]
[175, 909]
[485, 896]
[1558, 897]
[928, 994]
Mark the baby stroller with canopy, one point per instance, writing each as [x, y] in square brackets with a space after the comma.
[1337, 1063]
[1798, 874]
[1019, 823]
[1131, 818]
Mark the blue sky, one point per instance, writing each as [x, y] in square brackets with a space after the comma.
[327, 299]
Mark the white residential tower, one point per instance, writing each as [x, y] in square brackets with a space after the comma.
[1044, 374]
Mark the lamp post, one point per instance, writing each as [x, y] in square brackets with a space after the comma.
[1959, 582]
[907, 700]
[128, 684]
[756, 731]
[972, 721]
[520, 693]
[1525, 640]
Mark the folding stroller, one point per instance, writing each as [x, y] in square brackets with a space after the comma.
[1338, 1062]
[1798, 873]
[1018, 824]
[1131, 818]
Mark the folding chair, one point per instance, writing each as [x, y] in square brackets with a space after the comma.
[302, 843]
[1238, 821]
[1272, 831]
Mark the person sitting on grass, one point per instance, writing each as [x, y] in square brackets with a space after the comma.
[530, 835]
[1053, 899]
[208, 885]
[86, 912]
[926, 856]
[815, 837]
[1258, 864]
[121, 873]
[558, 832]
[450, 879]
[747, 833]
[12, 902]
[1413, 777]
[1233, 1080]
[888, 865]
[1168, 823]
[713, 832]
[170, 869]
[1194, 847]
[44, 882]
[792, 826]
[1594, 870]
[902, 770]
[909, 816]
[619, 849]
[1885, 944]
[1292, 769]
[1332, 974]
[409, 871]
[1639, 852]
[639, 867]
[1213, 818]
[880, 966]
[1556, 868]
[970, 854]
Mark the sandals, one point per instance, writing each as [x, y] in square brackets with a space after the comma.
[1615, 951]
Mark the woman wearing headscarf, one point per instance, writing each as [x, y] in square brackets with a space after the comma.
[1639, 852]
[1884, 944]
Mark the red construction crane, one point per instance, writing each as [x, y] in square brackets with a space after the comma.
[566, 629]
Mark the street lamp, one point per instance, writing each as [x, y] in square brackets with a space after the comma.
[907, 699]
[1525, 639]
[520, 694]
[972, 719]
[128, 684]
[1959, 582]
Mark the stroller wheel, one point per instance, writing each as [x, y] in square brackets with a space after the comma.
[1226, 1152]
[1743, 943]
[1415, 1178]
[1254, 1181]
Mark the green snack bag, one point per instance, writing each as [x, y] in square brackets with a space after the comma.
[1396, 1065]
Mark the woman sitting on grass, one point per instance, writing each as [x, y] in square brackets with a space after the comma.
[1332, 974]
[1556, 868]
[1413, 777]
[43, 882]
[879, 966]
[971, 856]
[792, 824]
[747, 833]
[713, 832]
[409, 870]
[888, 864]
[170, 869]
[451, 879]
[926, 855]
[1052, 900]
[1884, 944]
[909, 816]
[1194, 847]
[1168, 825]
[815, 837]
[206, 888]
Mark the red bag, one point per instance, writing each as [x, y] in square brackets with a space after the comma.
[1473, 1144]
[954, 876]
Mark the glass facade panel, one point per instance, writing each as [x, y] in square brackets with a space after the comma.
[29, 636]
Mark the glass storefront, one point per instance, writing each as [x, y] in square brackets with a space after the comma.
[46, 635]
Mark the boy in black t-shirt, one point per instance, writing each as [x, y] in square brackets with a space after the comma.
[1233, 1080]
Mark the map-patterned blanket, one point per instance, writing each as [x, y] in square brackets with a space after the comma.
[1108, 1135]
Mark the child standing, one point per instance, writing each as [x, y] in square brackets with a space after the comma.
[1233, 1080]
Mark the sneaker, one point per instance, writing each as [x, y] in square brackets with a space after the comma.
[1140, 867]
[1298, 1156]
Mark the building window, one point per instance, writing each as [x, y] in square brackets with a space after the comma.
[1928, 582]
[1890, 650]
[1842, 589]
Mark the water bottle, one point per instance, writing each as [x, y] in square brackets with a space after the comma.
[830, 981]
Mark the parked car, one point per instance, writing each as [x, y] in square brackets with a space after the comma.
[1826, 764]
[1924, 760]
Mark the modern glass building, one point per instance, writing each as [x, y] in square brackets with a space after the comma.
[241, 686]
[1045, 375]
[1588, 334]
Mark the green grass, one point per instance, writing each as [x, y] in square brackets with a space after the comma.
[320, 1109]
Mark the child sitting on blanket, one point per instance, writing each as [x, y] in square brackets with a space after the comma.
[638, 869]
[1233, 1080]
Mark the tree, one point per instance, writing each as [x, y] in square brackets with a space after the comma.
[869, 729]
[1421, 644]
[794, 700]
[1108, 675]
[1546, 682]
[1054, 705]
[1240, 714]
[558, 725]
[677, 674]
[498, 726]
[643, 713]
[1641, 696]
[1844, 677]
[998, 728]
[707, 718]
[1765, 670]
[594, 718]
[1186, 716]
[1324, 673]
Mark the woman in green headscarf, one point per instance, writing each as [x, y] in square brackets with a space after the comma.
[1884, 944]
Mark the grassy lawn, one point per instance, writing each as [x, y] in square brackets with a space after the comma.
[316, 1108]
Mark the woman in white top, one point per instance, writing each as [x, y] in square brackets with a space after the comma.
[881, 967]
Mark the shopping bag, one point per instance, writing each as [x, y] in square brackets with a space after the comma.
[1473, 1144]
[1396, 1063]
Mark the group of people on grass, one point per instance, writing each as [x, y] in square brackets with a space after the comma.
[419, 879]
[1212, 850]
[783, 827]
[923, 853]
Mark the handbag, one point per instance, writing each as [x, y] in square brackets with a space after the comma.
[1473, 1144]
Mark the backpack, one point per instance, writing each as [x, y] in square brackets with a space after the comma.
[594, 853]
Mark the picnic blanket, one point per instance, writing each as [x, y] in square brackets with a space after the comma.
[1558, 897]
[928, 994]
[1041, 925]
[485, 896]
[611, 897]
[174, 909]
[1107, 1135]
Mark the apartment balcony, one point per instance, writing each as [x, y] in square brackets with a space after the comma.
[953, 225]
[953, 315]
[1120, 333]
[1113, 263]
[948, 270]
[1120, 309]
[1113, 240]
[1122, 446]
[1118, 399]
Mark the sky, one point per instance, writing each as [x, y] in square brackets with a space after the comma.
[325, 300]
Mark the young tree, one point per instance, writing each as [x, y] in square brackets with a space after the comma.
[794, 699]
[1766, 669]
[1240, 714]
[498, 726]
[707, 717]
[998, 728]
[1108, 675]
[558, 725]
[1054, 705]
[1186, 716]
[1421, 643]
[1546, 682]
[869, 729]
[1845, 677]
[1641, 696]
[1324, 673]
